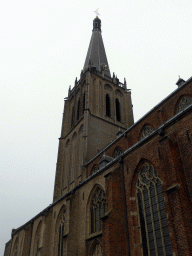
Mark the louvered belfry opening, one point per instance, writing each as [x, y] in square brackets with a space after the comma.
[108, 107]
[118, 111]
[152, 213]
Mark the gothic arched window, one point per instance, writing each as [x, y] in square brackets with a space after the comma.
[107, 103]
[78, 108]
[96, 250]
[117, 152]
[152, 213]
[15, 248]
[147, 130]
[184, 102]
[118, 110]
[98, 206]
[94, 169]
[38, 240]
[61, 230]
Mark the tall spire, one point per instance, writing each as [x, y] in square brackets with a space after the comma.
[96, 55]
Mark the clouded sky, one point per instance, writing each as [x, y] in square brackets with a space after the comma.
[43, 45]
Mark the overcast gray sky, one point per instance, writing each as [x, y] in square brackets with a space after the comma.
[43, 45]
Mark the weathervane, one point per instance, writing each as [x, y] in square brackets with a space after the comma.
[96, 11]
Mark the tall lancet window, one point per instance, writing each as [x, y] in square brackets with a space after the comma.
[78, 108]
[98, 206]
[108, 105]
[15, 248]
[118, 110]
[152, 213]
[61, 231]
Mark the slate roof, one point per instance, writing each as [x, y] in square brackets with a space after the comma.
[96, 55]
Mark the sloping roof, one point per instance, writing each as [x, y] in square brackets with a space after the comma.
[96, 55]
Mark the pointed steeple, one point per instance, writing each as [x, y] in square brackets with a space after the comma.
[96, 55]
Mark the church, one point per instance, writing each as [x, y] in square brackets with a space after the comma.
[121, 188]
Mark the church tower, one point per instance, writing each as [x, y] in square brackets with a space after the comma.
[96, 108]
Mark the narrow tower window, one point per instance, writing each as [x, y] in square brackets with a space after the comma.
[83, 108]
[108, 107]
[152, 213]
[118, 112]
[78, 108]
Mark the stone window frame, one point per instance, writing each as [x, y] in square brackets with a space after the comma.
[183, 102]
[93, 251]
[118, 109]
[107, 105]
[67, 143]
[60, 231]
[90, 234]
[152, 217]
[146, 130]
[81, 128]
[15, 246]
[94, 169]
[97, 209]
[38, 239]
[117, 152]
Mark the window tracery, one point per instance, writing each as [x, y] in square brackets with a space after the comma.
[38, 240]
[118, 152]
[97, 250]
[108, 87]
[36, 252]
[68, 143]
[98, 207]
[61, 232]
[118, 93]
[152, 213]
[184, 102]
[81, 129]
[94, 169]
[147, 130]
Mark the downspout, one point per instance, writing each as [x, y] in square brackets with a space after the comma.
[31, 236]
[125, 205]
